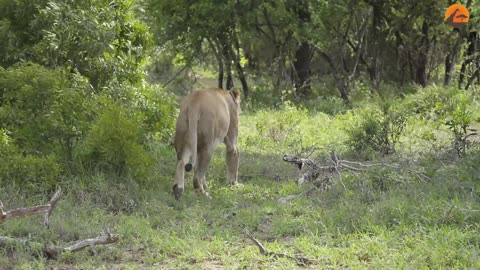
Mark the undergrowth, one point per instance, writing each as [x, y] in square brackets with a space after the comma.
[385, 217]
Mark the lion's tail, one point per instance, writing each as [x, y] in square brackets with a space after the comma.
[192, 136]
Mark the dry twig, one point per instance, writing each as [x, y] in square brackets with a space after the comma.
[301, 261]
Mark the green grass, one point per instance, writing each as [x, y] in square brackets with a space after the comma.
[380, 219]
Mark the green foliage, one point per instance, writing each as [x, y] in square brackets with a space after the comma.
[50, 113]
[185, 24]
[152, 107]
[451, 107]
[113, 145]
[18, 31]
[459, 118]
[44, 110]
[283, 127]
[378, 129]
[330, 105]
[279, 129]
[31, 173]
[102, 40]
[293, 129]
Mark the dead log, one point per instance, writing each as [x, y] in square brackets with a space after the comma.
[30, 211]
[53, 252]
[337, 166]
[49, 251]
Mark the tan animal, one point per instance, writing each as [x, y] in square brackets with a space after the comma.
[207, 118]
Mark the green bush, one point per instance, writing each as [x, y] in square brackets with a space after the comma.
[44, 110]
[150, 106]
[28, 172]
[459, 118]
[451, 107]
[378, 129]
[155, 109]
[113, 145]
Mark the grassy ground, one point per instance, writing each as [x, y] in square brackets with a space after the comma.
[384, 218]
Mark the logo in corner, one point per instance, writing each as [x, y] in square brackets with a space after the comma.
[457, 16]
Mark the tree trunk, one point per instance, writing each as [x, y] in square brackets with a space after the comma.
[277, 74]
[303, 54]
[242, 78]
[469, 56]
[238, 66]
[373, 70]
[451, 60]
[421, 69]
[340, 77]
[227, 58]
[219, 61]
[229, 84]
[301, 65]
[220, 73]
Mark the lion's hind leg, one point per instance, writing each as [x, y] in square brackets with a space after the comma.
[179, 181]
[232, 160]
[199, 179]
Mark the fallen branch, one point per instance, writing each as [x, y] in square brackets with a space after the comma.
[53, 203]
[30, 211]
[337, 166]
[301, 261]
[54, 251]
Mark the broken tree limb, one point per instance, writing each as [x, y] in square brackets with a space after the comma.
[30, 211]
[314, 169]
[49, 251]
[53, 203]
[301, 261]
[53, 252]
[105, 238]
[337, 166]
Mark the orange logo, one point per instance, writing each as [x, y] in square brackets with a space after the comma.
[457, 15]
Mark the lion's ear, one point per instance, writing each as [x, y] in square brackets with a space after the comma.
[235, 95]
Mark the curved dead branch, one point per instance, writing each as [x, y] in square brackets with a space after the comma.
[30, 211]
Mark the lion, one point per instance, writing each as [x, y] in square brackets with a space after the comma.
[207, 118]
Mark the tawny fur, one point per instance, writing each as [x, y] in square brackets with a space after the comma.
[207, 118]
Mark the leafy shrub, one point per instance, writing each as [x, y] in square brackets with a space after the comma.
[450, 107]
[28, 172]
[378, 129]
[155, 109]
[101, 40]
[113, 145]
[459, 117]
[150, 106]
[45, 111]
